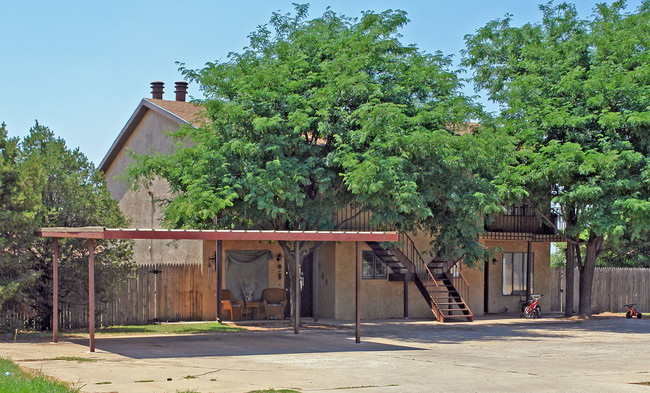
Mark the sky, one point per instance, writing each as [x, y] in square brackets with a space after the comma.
[82, 67]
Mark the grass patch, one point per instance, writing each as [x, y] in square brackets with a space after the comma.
[104, 383]
[275, 391]
[164, 328]
[190, 377]
[144, 380]
[74, 359]
[21, 381]
[168, 328]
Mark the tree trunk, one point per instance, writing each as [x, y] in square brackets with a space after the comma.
[290, 262]
[594, 247]
[569, 274]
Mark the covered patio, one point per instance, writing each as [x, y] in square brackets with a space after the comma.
[100, 233]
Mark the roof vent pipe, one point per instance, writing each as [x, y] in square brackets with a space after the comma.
[181, 91]
[157, 90]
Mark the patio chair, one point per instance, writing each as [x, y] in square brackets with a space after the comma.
[274, 301]
[232, 305]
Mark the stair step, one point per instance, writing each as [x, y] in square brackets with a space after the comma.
[445, 300]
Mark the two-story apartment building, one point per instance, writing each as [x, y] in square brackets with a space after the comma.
[397, 281]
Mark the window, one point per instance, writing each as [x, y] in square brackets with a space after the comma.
[514, 272]
[373, 267]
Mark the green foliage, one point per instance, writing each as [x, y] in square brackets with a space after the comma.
[19, 203]
[315, 115]
[14, 379]
[63, 189]
[575, 95]
[626, 253]
[558, 256]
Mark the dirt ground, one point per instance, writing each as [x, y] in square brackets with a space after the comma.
[603, 354]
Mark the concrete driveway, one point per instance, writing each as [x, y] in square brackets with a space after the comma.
[489, 355]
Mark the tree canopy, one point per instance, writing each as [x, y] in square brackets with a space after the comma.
[575, 95]
[315, 115]
[46, 184]
[319, 114]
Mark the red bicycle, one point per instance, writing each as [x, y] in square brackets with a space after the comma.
[632, 312]
[533, 310]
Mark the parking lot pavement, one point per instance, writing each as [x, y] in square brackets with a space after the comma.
[490, 355]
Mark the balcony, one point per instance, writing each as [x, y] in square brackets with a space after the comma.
[521, 223]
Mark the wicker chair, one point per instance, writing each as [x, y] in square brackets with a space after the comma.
[230, 304]
[274, 301]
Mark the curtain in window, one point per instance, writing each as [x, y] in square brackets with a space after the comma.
[247, 273]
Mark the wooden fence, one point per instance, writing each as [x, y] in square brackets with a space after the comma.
[613, 287]
[157, 292]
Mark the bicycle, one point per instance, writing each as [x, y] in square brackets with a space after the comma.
[533, 310]
[632, 311]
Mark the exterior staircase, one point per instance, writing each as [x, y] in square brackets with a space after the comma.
[440, 282]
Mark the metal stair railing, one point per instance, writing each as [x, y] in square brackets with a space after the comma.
[357, 219]
[460, 283]
[423, 277]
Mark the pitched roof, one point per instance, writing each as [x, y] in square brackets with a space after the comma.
[189, 112]
[180, 112]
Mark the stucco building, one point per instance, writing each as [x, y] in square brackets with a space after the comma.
[396, 282]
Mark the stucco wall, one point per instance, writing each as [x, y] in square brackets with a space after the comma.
[149, 134]
[497, 301]
[384, 299]
[139, 206]
[379, 298]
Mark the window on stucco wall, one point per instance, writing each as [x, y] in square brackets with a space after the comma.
[373, 267]
[514, 272]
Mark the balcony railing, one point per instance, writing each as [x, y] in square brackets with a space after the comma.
[522, 222]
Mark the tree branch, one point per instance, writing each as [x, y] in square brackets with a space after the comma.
[557, 230]
[579, 257]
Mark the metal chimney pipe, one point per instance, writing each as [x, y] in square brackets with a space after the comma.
[181, 91]
[157, 90]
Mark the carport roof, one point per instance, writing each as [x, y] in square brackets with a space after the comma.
[193, 234]
[93, 233]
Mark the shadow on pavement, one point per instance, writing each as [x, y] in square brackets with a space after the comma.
[512, 329]
[237, 344]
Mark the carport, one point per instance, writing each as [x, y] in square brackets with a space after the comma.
[100, 233]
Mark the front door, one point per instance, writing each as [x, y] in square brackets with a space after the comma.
[305, 285]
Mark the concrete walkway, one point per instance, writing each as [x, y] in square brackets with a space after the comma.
[490, 355]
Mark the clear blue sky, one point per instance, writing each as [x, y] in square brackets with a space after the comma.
[81, 67]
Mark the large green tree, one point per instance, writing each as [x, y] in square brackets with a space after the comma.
[18, 206]
[316, 115]
[62, 188]
[575, 93]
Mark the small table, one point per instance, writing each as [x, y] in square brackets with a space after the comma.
[253, 308]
